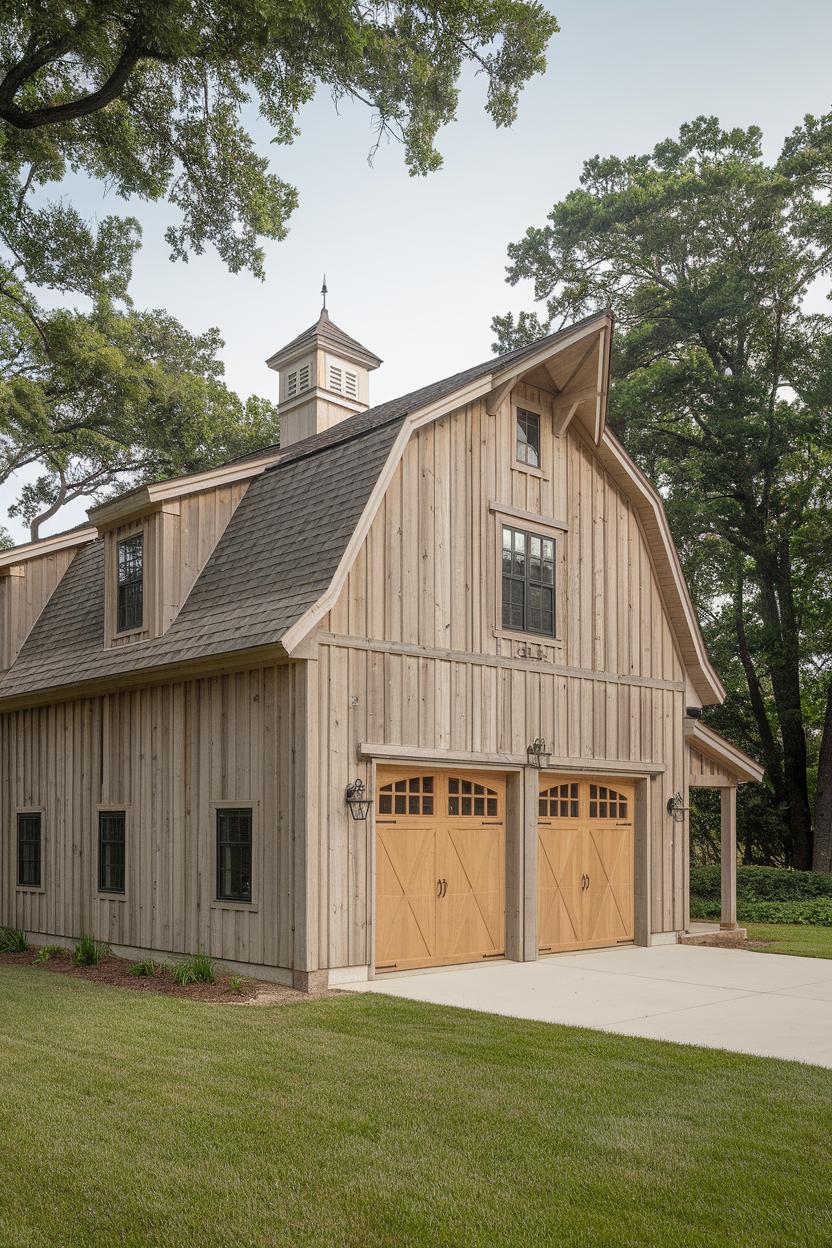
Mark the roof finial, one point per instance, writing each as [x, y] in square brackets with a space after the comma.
[324, 294]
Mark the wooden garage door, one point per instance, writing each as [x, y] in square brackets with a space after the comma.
[440, 868]
[585, 869]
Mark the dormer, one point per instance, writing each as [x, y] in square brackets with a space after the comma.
[323, 378]
[28, 577]
[157, 539]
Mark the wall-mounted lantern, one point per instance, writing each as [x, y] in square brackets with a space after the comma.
[357, 800]
[537, 753]
[676, 808]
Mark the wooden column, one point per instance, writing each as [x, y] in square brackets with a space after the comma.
[515, 854]
[531, 786]
[642, 882]
[308, 975]
[728, 847]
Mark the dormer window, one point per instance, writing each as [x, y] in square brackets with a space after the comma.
[130, 610]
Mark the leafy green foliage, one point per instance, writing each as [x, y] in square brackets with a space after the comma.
[45, 952]
[198, 969]
[88, 951]
[766, 895]
[145, 969]
[13, 940]
[723, 393]
[155, 99]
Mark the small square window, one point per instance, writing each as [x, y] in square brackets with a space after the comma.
[527, 447]
[234, 828]
[111, 850]
[29, 850]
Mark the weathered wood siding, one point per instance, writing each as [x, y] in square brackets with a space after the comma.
[166, 755]
[25, 589]
[413, 653]
[706, 772]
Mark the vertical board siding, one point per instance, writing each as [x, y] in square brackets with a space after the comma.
[166, 755]
[427, 580]
[24, 592]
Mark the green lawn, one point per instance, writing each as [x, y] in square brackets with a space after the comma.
[805, 941]
[128, 1119]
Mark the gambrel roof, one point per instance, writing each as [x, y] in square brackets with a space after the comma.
[287, 549]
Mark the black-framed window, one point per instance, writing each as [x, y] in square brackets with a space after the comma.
[527, 432]
[130, 582]
[528, 581]
[29, 849]
[234, 828]
[112, 836]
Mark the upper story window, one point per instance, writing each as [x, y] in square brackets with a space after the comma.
[528, 582]
[28, 850]
[527, 438]
[130, 609]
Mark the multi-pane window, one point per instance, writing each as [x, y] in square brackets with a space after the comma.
[466, 797]
[606, 803]
[112, 827]
[413, 796]
[234, 854]
[527, 448]
[528, 582]
[28, 850]
[559, 802]
[130, 583]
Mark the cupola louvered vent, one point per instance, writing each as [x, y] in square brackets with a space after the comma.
[351, 384]
[336, 377]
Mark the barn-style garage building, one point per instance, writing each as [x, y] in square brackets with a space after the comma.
[466, 600]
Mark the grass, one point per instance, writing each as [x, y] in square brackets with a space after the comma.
[367, 1122]
[805, 942]
[145, 969]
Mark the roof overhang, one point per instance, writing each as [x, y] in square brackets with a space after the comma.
[46, 546]
[741, 767]
[145, 498]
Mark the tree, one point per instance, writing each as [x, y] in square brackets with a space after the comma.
[152, 99]
[152, 96]
[723, 392]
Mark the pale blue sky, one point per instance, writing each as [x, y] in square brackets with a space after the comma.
[416, 267]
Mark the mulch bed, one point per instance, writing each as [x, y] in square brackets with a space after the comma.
[113, 972]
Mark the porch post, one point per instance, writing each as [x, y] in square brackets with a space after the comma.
[728, 854]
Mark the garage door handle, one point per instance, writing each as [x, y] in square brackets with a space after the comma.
[441, 888]
[444, 888]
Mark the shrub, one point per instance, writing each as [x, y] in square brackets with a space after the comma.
[45, 952]
[88, 951]
[814, 912]
[12, 940]
[146, 968]
[198, 969]
[776, 884]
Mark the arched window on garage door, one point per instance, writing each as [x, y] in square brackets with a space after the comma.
[466, 798]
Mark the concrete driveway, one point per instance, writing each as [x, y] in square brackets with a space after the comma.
[768, 1004]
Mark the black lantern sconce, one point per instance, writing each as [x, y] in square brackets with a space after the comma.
[357, 800]
[676, 808]
[537, 753]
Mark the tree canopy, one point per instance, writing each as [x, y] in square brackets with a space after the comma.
[156, 100]
[722, 391]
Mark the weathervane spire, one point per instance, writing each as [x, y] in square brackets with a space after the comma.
[324, 294]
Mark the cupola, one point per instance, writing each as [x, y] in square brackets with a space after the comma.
[323, 378]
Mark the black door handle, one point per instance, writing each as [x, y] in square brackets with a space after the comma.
[444, 888]
[438, 888]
